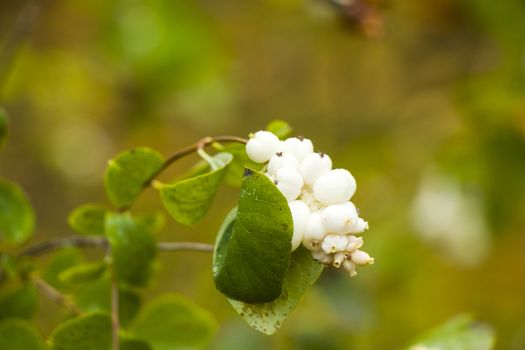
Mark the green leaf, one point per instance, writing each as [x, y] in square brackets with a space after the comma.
[88, 332]
[96, 296]
[88, 219]
[301, 275]
[16, 214]
[83, 273]
[252, 251]
[3, 126]
[130, 343]
[189, 200]
[173, 322]
[60, 262]
[127, 173]
[20, 303]
[155, 222]
[460, 333]
[132, 247]
[19, 335]
[280, 128]
[240, 161]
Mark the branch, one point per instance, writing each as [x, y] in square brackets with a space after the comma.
[101, 242]
[54, 295]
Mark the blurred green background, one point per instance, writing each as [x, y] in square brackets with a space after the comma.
[423, 101]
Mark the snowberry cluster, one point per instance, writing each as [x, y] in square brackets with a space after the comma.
[325, 221]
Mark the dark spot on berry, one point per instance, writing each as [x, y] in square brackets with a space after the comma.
[301, 138]
[247, 172]
[276, 182]
[322, 154]
[279, 154]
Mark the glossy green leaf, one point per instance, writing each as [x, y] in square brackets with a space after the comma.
[127, 173]
[280, 128]
[16, 214]
[3, 126]
[20, 303]
[301, 275]
[240, 161]
[83, 273]
[188, 200]
[19, 335]
[88, 219]
[88, 332]
[460, 333]
[252, 251]
[173, 322]
[132, 247]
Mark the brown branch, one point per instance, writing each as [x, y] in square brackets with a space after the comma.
[54, 295]
[101, 242]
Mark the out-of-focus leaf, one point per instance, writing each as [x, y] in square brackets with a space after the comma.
[88, 332]
[20, 303]
[3, 126]
[88, 219]
[132, 247]
[301, 275]
[16, 214]
[280, 128]
[188, 200]
[252, 251]
[173, 322]
[19, 335]
[155, 222]
[126, 174]
[60, 262]
[130, 343]
[96, 296]
[460, 333]
[83, 273]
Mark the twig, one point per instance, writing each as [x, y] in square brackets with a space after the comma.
[54, 295]
[115, 322]
[101, 242]
[184, 246]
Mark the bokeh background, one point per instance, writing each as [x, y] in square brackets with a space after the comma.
[423, 101]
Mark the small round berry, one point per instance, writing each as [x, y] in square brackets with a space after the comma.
[299, 147]
[360, 257]
[359, 226]
[322, 257]
[350, 267]
[339, 218]
[336, 186]
[354, 243]
[281, 160]
[289, 182]
[339, 258]
[334, 243]
[313, 166]
[314, 232]
[262, 146]
[300, 213]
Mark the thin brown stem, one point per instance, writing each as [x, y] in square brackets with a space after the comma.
[115, 322]
[101, 242]
[54, 295]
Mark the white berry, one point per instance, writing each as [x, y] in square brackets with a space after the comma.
[262, 146]
[300, 213]
[360, 257]
[339, 218]
[354, 243]
[359, 226]
[281, 160]
[314, 232]
[334, 187]
[334, 243]
[313, 166]
[339, 258]
[289, 182]
[350, 267]
[321, 256]
[299, 147]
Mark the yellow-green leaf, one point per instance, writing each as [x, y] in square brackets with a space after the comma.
[88, 219]
[88, 332]
[83, 273]
[20, 303]
[280, 128]
[16, 214]
[19, 335]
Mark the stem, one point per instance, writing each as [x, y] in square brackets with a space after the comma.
[54, 295]
[115, 322]
[101, 242]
